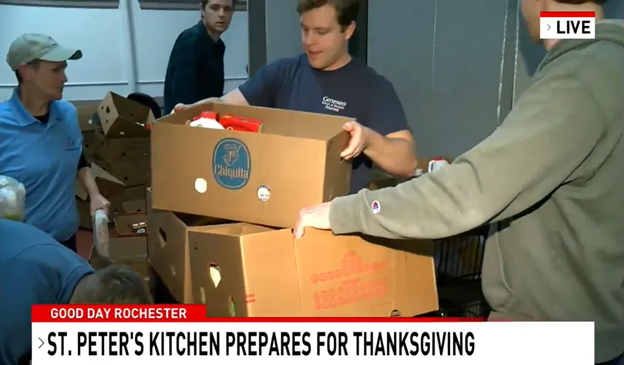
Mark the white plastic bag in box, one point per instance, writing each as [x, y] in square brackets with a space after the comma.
[12, 198]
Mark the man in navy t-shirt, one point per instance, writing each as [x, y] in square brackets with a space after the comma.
[36, 269]
[326, 79]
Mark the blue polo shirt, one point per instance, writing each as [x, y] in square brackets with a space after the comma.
[43, 157]
[34, 269]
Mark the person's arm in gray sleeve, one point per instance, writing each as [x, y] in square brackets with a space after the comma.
[553, 128]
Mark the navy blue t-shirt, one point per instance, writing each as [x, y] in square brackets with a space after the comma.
[355, 91]
[34, 269]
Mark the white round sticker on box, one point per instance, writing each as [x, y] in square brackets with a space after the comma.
[264, 193]
[201, 185]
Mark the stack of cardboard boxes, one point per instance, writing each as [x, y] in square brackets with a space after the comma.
[243, 260]
[118, 146]
[89, 125]
[123, 144]
[117, 143]
[127, 246]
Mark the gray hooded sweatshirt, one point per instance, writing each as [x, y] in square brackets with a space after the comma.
[550, 178]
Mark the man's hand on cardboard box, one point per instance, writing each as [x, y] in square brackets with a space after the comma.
[183, 107]
[358, 142]
[316, 217]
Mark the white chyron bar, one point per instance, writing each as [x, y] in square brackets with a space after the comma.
[567, 25]
[164, 335]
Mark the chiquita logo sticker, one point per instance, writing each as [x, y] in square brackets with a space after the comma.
[231, 163]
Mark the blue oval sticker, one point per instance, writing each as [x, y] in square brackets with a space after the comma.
[231, 163]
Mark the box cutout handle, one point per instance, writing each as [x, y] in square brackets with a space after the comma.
[214, 271]
[232, 307]
[163, 237]
[105, 121]
[395, 313]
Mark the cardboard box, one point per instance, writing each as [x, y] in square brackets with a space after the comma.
[85, 117]
[126, 248]
[114, 150]
[129, 201]
[130, 173]
[124, 200]
[246, 270]
[168, 249]
[107, 183]
[263, 178]
[122, 117]
[89, 144]
[134, 206]
[88, 128]
[124, 227]
[136, 193]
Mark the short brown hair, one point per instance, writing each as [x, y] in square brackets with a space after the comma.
[346, 10]
[34, 64]
[205, 2]
[114, 284]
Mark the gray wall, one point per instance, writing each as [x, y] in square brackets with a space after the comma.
[274, 31]
[453, 67]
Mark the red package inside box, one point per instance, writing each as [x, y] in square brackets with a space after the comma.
[237, 123]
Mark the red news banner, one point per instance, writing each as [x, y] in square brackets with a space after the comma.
[124, 334]
[187, 313]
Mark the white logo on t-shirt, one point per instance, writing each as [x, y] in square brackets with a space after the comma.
[333, 104]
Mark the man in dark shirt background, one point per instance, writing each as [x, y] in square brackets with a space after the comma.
[195, 70]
